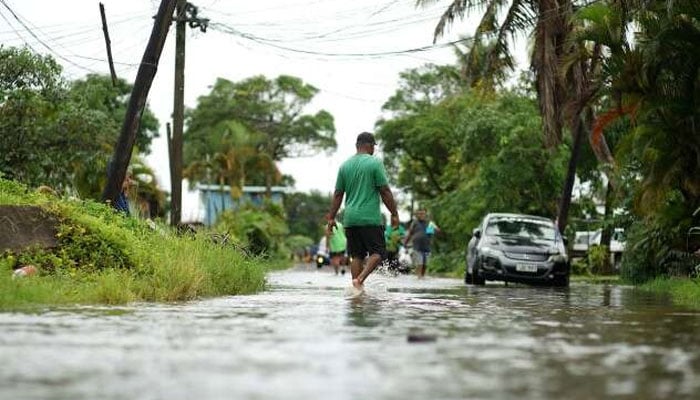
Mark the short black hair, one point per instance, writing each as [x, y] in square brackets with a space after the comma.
[365, 138]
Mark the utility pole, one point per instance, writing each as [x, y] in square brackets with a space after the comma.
[108, 43]
[186, 13]
[178, 116]
[137, 101]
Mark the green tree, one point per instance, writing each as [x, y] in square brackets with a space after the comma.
[501, 165]
[97, 93]
[269, 110]
[415, 119]
[562, 94]
[44, 137]
[59, 133]
[305, 213]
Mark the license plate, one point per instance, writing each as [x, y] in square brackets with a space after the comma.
[526, 268]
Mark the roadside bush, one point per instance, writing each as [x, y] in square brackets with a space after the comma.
[261, 231]
[447, 263]
[655, 250]
[599, 259]
[580, 267]
[105, 257]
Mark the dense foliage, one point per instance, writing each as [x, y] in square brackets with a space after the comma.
[305, 212]
[258, 231]
[465, 154]
[239, 131]
[59, 133]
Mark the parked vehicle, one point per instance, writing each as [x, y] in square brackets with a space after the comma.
[585, 239]
[517, 248]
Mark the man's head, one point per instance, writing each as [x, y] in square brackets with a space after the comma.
[421, 214]
[365, 143]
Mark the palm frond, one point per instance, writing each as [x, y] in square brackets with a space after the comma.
[456, 10]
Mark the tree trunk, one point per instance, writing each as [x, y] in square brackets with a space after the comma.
[606, 234]
[565, 200]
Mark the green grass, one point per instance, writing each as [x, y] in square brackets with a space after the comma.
[683, 292]
[106, 258]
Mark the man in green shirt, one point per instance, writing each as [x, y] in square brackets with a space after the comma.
[363, 178]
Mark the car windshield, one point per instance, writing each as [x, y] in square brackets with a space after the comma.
[521, 227]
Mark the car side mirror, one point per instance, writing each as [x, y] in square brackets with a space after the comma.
[477, 233]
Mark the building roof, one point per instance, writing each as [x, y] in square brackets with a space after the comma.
[245, 189]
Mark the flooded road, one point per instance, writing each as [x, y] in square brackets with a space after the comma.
[304, 339]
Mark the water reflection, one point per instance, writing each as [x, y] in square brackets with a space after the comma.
[407, 338]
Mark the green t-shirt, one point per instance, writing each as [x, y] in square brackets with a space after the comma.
[337, 241]
[360, 177]
[393, 237]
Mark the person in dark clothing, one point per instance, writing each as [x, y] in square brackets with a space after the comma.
[421, 232]
[121, 204]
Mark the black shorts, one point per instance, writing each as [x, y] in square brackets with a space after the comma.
[365, 240]
[337, 253]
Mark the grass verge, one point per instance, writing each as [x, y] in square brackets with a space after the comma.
[683, 292]
[106, 258]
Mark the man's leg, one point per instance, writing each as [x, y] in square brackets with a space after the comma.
[334, 263]
[356, 266]
[372, 263]
[417, 260]
[424, 262]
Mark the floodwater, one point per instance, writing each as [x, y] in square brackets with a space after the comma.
[405, 339]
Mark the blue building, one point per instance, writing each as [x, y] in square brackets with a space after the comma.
[217, 199]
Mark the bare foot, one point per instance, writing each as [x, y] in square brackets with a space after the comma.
[357, 285]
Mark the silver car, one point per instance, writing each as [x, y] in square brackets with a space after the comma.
[517, 248]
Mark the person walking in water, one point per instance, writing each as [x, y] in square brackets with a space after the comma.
[421, 231]
[336, 243]
[362, 179]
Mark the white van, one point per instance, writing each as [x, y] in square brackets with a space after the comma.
[584, 239]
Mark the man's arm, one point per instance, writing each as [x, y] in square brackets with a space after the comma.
[336, 201]
[390, 203]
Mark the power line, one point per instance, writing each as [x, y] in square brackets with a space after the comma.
[260, 40]
[41, 41]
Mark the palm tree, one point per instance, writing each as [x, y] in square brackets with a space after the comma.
[561, 94]
[240, 159]
[664, 97]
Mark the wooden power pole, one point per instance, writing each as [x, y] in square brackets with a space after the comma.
[186, 14]
[178, 117]
[137, 101]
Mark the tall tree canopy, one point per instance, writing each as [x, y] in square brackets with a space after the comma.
[97, 93]
[258, 119]
[465, 154]
[54, 132]
[44, 137]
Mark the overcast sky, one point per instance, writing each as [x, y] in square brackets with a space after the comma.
[352, 51]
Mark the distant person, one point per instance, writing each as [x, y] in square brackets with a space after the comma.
[363, 178]
[394, 237]
[336, 242]
[121, 204]
[421, 233]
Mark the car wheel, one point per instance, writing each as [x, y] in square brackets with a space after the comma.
[468, 278]
[477, 279]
